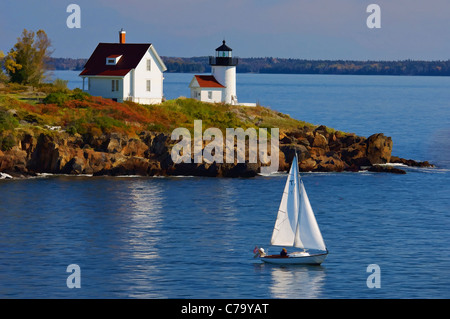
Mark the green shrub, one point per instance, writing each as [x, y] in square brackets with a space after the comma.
[7, 142]
[80, 96]
[105, 123]
[77, 126]
[7, 121]
[32, 118]
[58, 98]
[72, 130]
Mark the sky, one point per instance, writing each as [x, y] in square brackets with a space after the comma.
[305, 29]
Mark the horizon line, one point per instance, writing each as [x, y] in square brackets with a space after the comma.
[303, 59]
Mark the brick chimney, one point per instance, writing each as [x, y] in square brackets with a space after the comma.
[122, 36]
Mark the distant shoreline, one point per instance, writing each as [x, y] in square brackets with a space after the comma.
[271, 65]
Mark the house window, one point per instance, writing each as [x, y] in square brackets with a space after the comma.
[149, 86]
[149, 65]
[210, 95]
[113, 59]
[115, 85]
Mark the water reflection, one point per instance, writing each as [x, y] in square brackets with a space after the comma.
[141, 234]
[296, 282]
[145, 214]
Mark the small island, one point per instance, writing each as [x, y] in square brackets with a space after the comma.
[50, 129]
[47, 128]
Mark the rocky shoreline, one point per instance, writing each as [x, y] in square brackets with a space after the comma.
[149, 154]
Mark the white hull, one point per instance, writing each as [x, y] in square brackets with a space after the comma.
[295, 260]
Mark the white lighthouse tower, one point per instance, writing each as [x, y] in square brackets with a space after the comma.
[220, 86]
[223, 68]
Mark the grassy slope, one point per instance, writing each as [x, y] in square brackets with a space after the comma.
[36, 110]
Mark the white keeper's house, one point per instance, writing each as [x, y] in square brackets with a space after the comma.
[220, 86]
[125, 72]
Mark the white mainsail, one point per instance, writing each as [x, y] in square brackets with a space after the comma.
[296, 225]
[287, 218]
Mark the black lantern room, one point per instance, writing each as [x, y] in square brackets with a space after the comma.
[223, 56]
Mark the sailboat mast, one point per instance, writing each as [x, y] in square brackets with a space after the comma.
[297, 240]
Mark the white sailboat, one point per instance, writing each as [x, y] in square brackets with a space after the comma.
[296, 226]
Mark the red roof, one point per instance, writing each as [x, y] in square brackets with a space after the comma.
[208, 81]
[131, 53]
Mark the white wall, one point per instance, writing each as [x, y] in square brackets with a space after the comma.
[216, 95]
[126, 86]
[102, 86]
[141, 75]
[226, 75]
[202, 94]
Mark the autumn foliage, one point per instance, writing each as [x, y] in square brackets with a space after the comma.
[77, 112]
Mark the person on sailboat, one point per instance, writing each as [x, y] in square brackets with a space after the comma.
[259, 252]
[283, 252]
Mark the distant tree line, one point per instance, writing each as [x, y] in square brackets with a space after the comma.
[301, 66]
[66, 64]
[290, 66]
[187, 65]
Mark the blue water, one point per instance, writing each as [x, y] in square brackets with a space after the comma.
[187, 237]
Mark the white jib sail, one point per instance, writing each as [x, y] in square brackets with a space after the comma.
[308, 234]
[287, 218]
